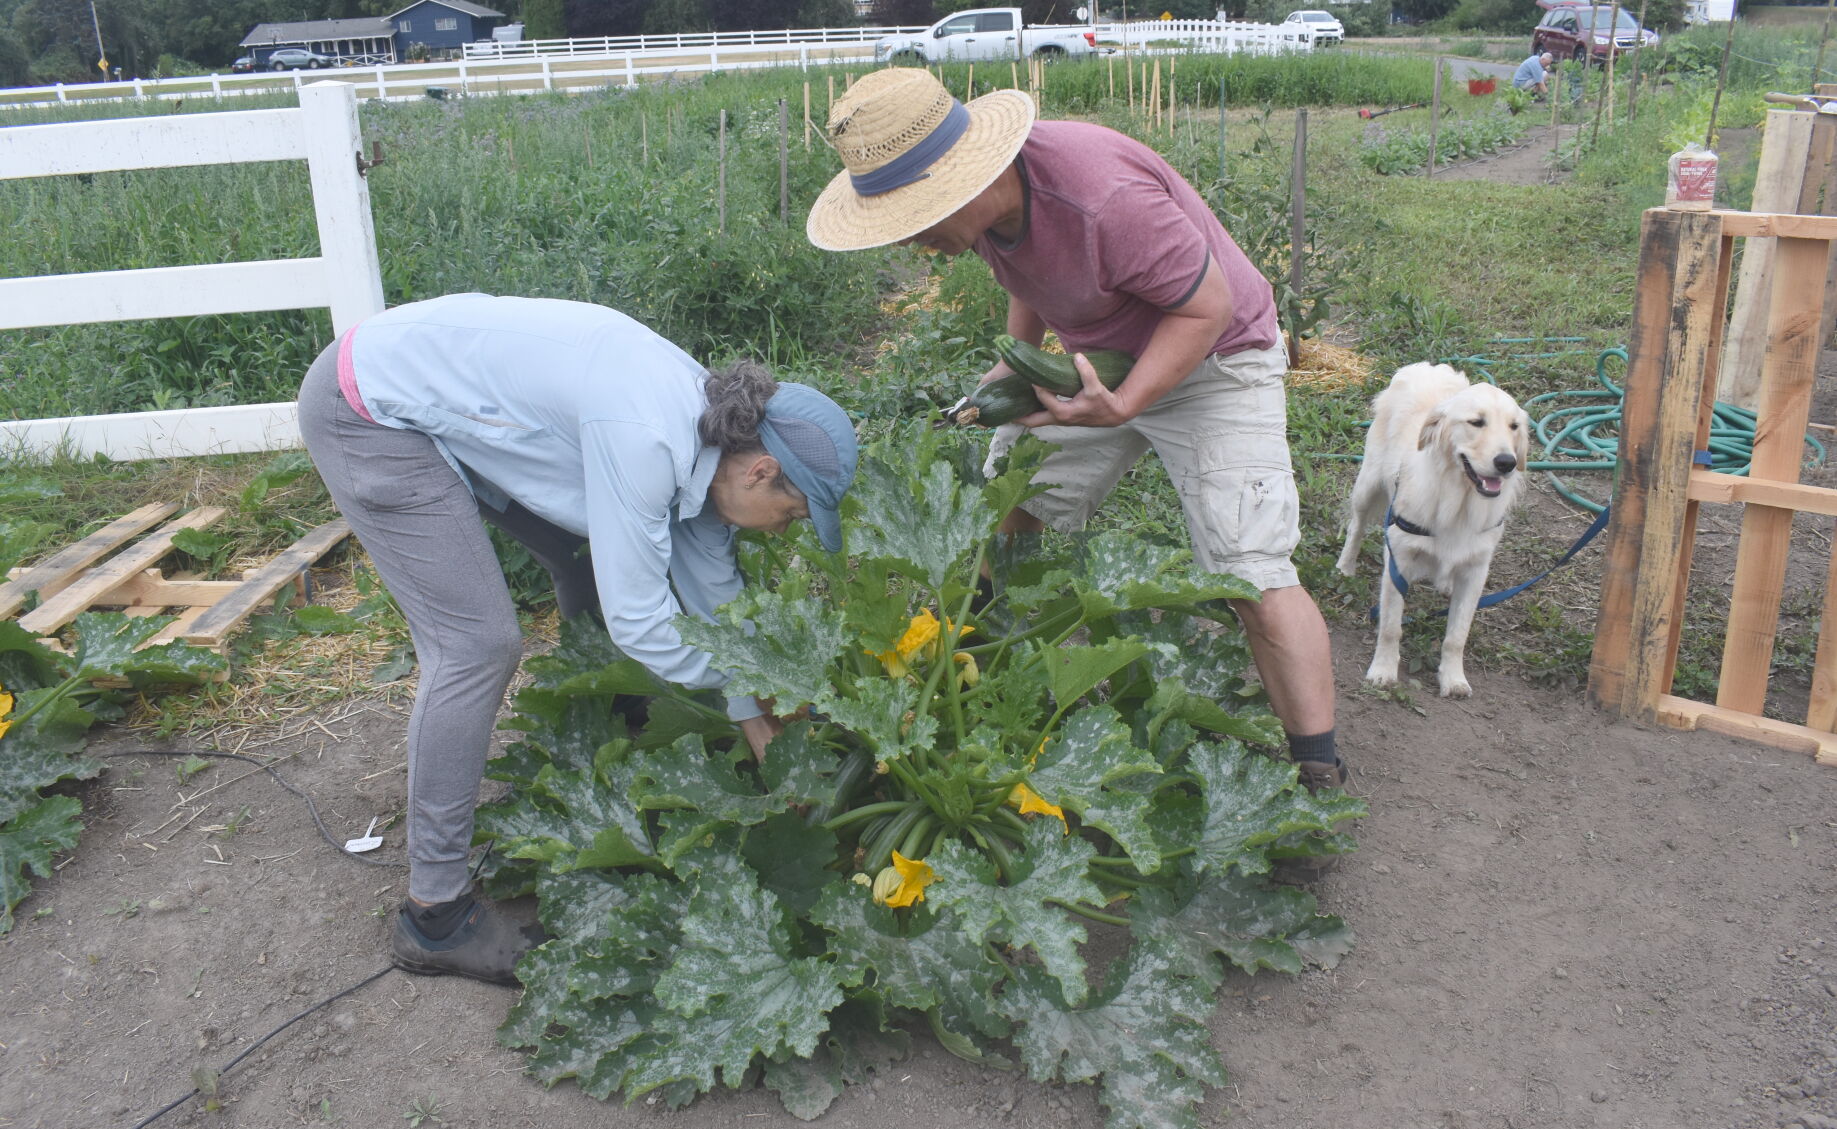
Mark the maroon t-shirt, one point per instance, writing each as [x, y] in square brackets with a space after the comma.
[1111, 237]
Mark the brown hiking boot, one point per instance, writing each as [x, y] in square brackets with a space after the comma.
[485, 945]
[1316, 775]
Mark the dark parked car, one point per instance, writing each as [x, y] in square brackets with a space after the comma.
[299, 59]
[1581, 31]
[243, 64]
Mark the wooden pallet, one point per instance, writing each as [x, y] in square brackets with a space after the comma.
[1674, 355]
[72, 581]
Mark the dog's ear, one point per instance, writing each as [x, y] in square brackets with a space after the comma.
[1431, 429]
[1521, 439]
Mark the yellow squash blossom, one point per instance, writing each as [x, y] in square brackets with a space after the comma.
[921, 635]
[904, 882]
[1032, 803]
[6, 707]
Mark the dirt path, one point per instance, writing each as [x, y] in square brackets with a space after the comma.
[1562, 922]
[1528, 162]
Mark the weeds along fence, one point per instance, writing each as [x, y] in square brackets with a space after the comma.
[608, 197]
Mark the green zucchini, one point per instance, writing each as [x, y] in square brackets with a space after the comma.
[1056, 372]
[1011, 397]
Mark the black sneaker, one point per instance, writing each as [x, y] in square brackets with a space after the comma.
[485, 945]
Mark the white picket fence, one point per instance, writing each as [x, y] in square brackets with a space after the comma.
[685, 41]
[580, 65]
[1225, 37]
[345, 277]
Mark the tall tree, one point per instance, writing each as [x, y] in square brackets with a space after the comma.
[544, 19]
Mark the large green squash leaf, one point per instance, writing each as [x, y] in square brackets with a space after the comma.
[105, 645]
[1246, 921]
[792, 859]
[570, 819]
[924, 532]
[858, 1042]
[771, 646]
[1073, 672]
[926, 962]
[27, 845]
[882, 711]
[1023, 913]
[42, 751]
[735, 988]
[1093, 751]
[1251, 801]
[1144, 1036]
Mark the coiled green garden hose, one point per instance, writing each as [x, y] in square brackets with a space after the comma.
[1586, 436]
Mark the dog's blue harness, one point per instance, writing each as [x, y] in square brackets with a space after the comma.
[1403, 586]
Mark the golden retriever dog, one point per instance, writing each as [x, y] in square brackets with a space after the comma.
[1443, 459]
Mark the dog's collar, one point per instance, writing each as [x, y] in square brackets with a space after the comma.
[1409, 526]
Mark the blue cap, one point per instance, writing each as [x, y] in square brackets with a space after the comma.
[814, 442]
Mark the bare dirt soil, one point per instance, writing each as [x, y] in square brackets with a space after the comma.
[1562, 921]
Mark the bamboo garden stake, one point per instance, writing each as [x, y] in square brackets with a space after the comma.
[720, 192]
[806, 117]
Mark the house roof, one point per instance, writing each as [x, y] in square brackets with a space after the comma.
[478, 10]
[313, 31]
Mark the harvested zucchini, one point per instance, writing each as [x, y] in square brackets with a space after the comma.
[1056, 372]
[1011, 397]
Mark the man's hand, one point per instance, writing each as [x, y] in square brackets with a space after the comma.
[1093, 406]
[759, 732]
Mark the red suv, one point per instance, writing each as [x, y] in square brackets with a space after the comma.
[1581, 31]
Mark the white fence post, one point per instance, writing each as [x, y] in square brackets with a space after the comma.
[382, 85]
[548, 76]
[341, 200]
[345, 277]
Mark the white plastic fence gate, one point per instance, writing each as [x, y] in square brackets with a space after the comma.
[345, 277]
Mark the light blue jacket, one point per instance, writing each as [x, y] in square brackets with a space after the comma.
[588, 419]
[1529, 73]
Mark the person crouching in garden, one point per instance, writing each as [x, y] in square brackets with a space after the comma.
[571, 427]
[1097, 238]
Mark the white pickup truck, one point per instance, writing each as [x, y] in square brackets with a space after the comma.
[985, 33]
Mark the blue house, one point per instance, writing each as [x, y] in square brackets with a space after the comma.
[441, 28]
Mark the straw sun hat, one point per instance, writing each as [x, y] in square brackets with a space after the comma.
[911, 155]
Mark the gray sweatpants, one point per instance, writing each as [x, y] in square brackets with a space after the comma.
[423, 530]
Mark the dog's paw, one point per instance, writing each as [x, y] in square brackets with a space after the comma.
[1376, 677]
[1348, 566]
[1456, 688]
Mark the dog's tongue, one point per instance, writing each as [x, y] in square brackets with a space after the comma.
[1493, 484]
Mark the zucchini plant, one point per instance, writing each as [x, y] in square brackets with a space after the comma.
[978, 783]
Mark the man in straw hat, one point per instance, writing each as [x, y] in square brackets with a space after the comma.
[1097, 238]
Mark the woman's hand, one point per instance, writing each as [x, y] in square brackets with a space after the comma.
[759, 732]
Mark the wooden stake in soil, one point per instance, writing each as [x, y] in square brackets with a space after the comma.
[1435, 117]
[830, 105]
[969, 85]
[1155, 101]
[806, 117]
[1014, 75]
[1824, 35]
[1606, 97]
[784, 161]
[1722, 78]
[1297, 224]
[720, 194]
[1111, 63]
[1556, 120]
[1129, 81]
[644, 140]
[1221, 127]
[1638, 44]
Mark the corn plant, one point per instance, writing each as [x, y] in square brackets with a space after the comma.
[974, 786]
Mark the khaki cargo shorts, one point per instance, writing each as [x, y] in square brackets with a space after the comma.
[1222, 434]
